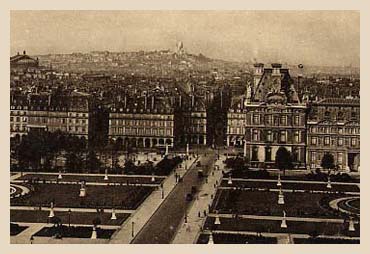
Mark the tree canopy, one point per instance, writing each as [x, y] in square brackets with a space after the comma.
[283, 159]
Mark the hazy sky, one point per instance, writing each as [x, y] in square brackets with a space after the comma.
[308, 37]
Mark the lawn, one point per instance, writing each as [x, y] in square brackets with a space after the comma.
[67, 195]
[75, 232]
[99, 179]
[265, 203]
[273, 226]
[323, 240]
[15, 229]
[84, 218]
[293, 186]
[236, 239]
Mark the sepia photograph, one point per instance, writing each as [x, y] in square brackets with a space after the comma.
[184, 127]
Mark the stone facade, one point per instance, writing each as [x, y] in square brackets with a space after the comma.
[334, 127]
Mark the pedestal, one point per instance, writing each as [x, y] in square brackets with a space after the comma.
[113, 217]
[329, 184]
[283, 223]
[230, 181]
[279, 181]
[82, 192]
[51, 214]
[351, 226]
[281, 198]
[210, 240]
[217, 220]
[94, 235]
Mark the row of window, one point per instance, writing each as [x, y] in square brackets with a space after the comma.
[340, 130]
[275, 120]
[49, 120]
[316, 157]
[141, 131]
[18, 119]
[281, 136]
[149, 123]
[327, 141]
[141, 116]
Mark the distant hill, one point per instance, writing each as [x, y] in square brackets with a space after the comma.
[167, 63]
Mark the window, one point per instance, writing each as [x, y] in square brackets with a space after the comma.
[283, 136]
[327, 114]
[296, 136]
[340, 130]
[269, 136]
[255, 119]
[340, 158]
[327, 141]
[255, 135]
[283, 120]
[313, 141]
[353, 141]
[296, 120]
[340, 141]
[268, 119]
[313, 156]
[11, 119]
[255, 153]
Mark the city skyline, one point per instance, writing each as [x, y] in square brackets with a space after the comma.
[244, 36]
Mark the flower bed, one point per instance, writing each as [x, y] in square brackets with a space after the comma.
[67, 195]
[323, 240]
[293, 186]
[265, 203]
[15, 229]
[74, 232]
[85, 218]
[221, 238]
[273, 226]
[99, 179]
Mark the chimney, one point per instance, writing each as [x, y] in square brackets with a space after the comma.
[18, 53]
[276, 68]
[24, 52]
[258, 72]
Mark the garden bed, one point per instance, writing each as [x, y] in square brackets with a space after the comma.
[221, 238]
[273, 226]
[67, 195]
[15, 229]
[84, 218]
[96, 179]
[292, 186]
[265, 203]
[74, 232]
[323, 240]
